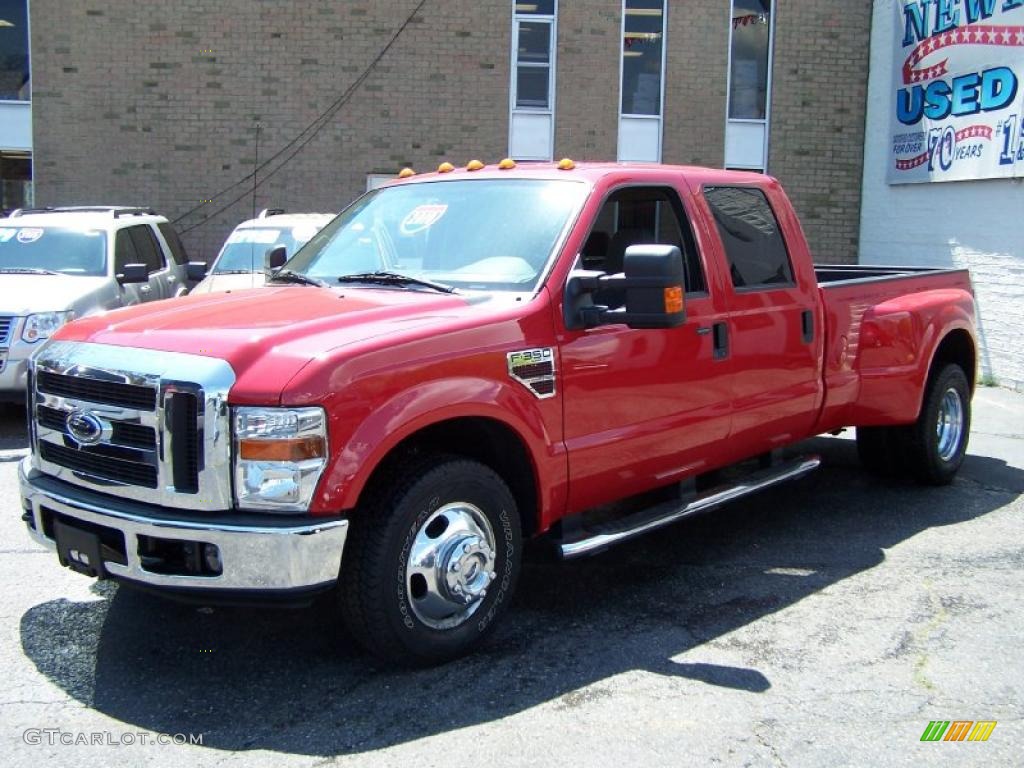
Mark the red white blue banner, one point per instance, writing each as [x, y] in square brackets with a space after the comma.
[958, 95]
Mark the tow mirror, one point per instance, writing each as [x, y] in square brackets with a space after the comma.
[650, 290]
[196, 270]
[275, 258]
[133, 273]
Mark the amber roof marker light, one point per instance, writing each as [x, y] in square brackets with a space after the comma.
[474, 165]
[507, 164]
[566, 164]
[405, 173]
[445, 168]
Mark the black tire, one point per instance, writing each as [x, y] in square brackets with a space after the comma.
[933, 454]
[879, 449]
[376, 593]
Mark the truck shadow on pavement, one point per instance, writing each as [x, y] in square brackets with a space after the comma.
[290, 681]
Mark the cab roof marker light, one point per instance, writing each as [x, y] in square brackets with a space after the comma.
[566, 164]
[405, 173]
[474, 165]
[445, 168]
[507, 164]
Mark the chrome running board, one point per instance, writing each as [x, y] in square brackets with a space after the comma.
[669, 512]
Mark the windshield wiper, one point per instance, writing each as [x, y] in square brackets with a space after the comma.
[289, 276]
[393, 278]
[234, 272]
[27, 271]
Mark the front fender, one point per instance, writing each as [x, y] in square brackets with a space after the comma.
[357, 450]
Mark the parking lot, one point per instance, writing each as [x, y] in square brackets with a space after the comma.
[821, 623]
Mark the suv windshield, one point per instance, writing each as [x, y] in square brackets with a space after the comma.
[53, 249]
[245, 248]
[486, 234]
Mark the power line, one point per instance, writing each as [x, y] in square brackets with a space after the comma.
[315, 126]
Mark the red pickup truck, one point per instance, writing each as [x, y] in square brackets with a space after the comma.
[468, 358]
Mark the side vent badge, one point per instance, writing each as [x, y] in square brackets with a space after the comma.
[535, 370]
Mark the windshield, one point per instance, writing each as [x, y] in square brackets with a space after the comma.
[53, 249]
[245, 248]
[487, 234]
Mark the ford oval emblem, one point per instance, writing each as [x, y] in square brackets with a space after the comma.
[85, 427]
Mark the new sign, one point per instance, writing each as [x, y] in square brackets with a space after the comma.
[958, 91]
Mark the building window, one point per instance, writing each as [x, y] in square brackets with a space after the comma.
[750, 65]
[14, 70]
[642, 81]
[15, 181]
[532, 90]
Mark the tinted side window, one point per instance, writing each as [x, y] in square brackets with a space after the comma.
[147, 248]
[750, 233]
[174, 243]
[642, 216]
[124, 251]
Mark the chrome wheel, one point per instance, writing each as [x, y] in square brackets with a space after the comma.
[450, 565]
[950, 424]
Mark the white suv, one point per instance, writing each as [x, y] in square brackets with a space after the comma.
[240, 263]
[60, 263]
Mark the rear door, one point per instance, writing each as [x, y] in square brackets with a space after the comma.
[774, 338]
[643, 408]
[152, 255]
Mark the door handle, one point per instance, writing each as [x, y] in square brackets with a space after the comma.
[144, 289]
[703, 330]
[720, 343]
[807, 326]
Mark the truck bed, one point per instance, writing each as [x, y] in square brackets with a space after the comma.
[878, 322]
[832, 274]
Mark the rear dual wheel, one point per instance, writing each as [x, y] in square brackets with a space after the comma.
[933, 447]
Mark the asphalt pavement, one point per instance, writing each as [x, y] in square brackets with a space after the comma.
[822, 623]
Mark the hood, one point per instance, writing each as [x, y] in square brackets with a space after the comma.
[266, 334]
[229, 282]
[25, 294]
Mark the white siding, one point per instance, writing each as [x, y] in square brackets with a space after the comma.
[974, 224]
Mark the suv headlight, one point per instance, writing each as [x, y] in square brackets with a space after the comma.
[43, 325]
[279, 456]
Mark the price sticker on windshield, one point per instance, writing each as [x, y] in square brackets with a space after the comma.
[421, 217]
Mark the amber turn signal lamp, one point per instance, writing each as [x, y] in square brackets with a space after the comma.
[445, 168]
[507, 164]
[474, 165]
[674, 300]
[405, 173]
[291, 449]
[566, 164]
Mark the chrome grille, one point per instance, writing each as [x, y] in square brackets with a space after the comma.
[6, 325]
[163, 433]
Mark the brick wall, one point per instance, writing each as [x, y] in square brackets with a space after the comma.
[157, 103]
[819, 91]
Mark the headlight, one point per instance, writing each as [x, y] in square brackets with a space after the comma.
[279, 456]
[43, 325]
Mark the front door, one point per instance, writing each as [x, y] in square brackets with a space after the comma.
[643, 408]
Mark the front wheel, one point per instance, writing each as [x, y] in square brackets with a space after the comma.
[431, 562]
[937, 442]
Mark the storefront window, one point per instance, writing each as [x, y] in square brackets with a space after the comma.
[15, 181]
[643, 33]
[14, 71]
[751, 41]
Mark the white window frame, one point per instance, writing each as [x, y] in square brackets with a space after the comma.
[549, 111]
[627, 118]
[740, 123]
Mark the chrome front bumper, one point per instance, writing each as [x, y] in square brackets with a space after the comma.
[277, 557]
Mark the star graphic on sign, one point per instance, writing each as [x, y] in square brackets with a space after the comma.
[1006, 36]
[978, 34]
[991, 35]
[1020, 37]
